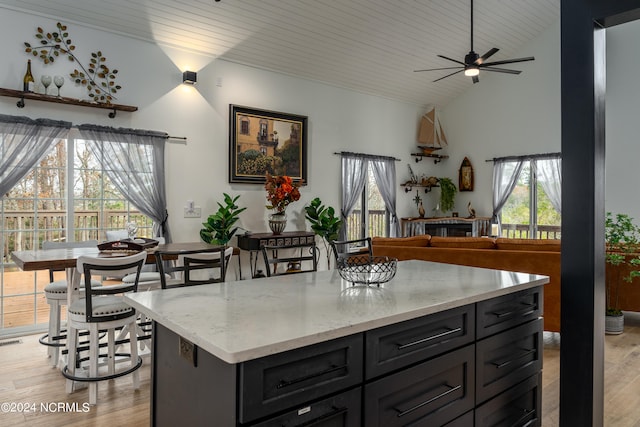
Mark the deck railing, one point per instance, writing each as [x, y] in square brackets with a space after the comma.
[521, 231]
[377, 220]
[51, 225]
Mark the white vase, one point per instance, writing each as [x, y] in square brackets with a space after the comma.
[277, 222]
[614, 325]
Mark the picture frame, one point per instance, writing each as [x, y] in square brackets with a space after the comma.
[263, 141]
[465, 176]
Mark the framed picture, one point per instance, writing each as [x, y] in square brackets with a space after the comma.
[465, 176]
[262, 141]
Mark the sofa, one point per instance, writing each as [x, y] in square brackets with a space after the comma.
[521, 255]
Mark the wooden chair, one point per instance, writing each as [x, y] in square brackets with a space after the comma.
[56, 294]
[308, 256]
[349, 248]
[103, 309]
[194, 267]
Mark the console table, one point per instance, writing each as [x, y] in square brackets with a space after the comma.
[446, 226]
[253, 242]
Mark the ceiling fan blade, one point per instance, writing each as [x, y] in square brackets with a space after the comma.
[454, 60]
[486, 55]
[508, 61]
[501, 70]
[448, 75]
[437, 69]
[475, 79]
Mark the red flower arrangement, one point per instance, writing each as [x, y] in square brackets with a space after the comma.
[281, 190]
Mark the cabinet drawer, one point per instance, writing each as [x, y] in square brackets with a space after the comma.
[499, 314]
[518, 406]
[396, 346]
[342, 410]
[285, 380]
[505, 359]
[431, 393]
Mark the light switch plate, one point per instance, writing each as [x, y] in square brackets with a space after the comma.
[192, 213]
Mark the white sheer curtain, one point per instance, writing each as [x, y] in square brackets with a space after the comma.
[23, 142]
[505, 177]
[354, 177]
[134, 161]
[384, 171]
[550, 171]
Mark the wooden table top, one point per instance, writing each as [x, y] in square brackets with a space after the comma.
[66, 258]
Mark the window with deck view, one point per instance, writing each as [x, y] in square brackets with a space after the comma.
[532, 209]
[66, 197]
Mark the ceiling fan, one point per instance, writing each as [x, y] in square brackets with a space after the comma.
[473, 63]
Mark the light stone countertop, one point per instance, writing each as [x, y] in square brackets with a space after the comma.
[245, 320]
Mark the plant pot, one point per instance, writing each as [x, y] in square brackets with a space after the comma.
[277, 222]
[614, 324]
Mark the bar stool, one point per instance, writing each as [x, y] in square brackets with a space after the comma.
[56, 294]
[103, 308]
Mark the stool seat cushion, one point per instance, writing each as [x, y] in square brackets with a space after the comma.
[102, 306]
[60, 286]
[145, 276]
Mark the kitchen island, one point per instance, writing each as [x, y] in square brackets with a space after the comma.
[438, 344]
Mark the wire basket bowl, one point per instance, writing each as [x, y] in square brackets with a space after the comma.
[367, 270]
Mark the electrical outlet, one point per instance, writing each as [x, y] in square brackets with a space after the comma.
[193, 213]
[187, 351]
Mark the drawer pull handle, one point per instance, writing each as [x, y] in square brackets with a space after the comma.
[499, 365]
[321, 418]
[526, 415]
[433, 337]
[402, 413]
[333, 368]
[502, 314]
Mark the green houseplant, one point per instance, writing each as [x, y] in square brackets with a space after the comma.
[219, 228]
[447, 194]
[324, 223]
[622, 238]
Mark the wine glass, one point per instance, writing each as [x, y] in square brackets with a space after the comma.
[46, 82]
[132, 230]
[58, 81]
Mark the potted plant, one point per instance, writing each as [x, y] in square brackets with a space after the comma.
[447, 194]
[219, 228]
[622, 238]
[324, 223]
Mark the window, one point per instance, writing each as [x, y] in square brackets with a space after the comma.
[368, 196]
[369, 217]
[37, 209]
[532, 209]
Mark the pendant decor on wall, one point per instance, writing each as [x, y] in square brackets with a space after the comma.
[465, 176]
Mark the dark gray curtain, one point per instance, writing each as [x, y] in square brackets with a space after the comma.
[23, 142]
[134, 161]
[384, 171]
[354, 177]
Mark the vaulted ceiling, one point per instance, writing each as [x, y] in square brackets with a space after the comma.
[371, 46]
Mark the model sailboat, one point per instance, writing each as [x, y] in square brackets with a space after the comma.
[431, 136]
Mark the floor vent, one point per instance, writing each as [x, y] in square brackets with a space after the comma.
[3, 343]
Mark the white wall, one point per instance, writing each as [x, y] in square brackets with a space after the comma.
[198, 170]
[505, 115]
[622, 123]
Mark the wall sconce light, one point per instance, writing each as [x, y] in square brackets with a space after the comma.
[189, 77]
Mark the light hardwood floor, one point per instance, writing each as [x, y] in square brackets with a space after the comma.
[27, 378]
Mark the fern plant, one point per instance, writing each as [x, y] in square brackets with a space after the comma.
[447, 194]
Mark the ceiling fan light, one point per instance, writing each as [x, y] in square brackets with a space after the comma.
[471, 71]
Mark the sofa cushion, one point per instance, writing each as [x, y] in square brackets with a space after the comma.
[549, 245]
[463, 242]
[414, 241]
